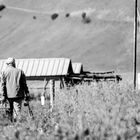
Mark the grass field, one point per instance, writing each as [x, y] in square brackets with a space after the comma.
[104, 41]
[106, 111]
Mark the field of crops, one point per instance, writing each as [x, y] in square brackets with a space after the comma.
[104, 111]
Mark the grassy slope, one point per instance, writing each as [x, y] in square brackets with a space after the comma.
[106, 43]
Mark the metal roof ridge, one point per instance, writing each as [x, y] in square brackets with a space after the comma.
[39, 58]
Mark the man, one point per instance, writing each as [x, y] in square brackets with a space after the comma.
[14, 87]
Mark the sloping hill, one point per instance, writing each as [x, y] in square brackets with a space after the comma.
[105, 43]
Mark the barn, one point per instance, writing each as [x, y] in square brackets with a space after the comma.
[43, 67]
[56, 69]
[62, 70]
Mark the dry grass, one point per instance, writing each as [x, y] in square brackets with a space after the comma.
[104, 111]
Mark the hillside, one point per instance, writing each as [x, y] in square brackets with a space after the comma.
[105, 43]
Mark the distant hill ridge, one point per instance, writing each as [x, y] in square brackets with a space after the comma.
[103, 41]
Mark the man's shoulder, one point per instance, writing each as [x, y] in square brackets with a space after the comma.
[19, 70]
[13, 69]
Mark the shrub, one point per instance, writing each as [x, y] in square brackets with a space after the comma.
[54, 16]
[86, 20]
[2, 7]
[34, 17]
[84, 15]
[67, 15]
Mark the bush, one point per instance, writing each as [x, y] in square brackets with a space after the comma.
[54, 16]
[2, 7]
[67, 15]
[86, 20]
[34, 17]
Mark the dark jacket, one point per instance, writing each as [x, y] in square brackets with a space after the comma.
[13, 83]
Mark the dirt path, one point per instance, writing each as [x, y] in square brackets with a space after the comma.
[26, 10]
[100, 15]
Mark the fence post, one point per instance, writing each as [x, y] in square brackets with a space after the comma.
[62, 83]
[42, 99]
[52, 93]
[43, 93]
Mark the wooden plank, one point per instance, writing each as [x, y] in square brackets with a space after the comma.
[56, 78]
[107, 72]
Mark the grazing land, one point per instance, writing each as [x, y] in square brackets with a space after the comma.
[97, 33]
[103, 40]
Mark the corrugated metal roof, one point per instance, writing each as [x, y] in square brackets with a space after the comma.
[2, 65]
[43, 66]
[77, 68]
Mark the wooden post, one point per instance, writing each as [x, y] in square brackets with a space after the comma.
[135, 42]
[52, 93]
[61, 83]
[42, 99]
[43, 93]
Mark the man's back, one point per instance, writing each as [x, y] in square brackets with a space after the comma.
[14, 80]
[13, 88]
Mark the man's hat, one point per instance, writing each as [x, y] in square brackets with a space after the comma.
[10, 60]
